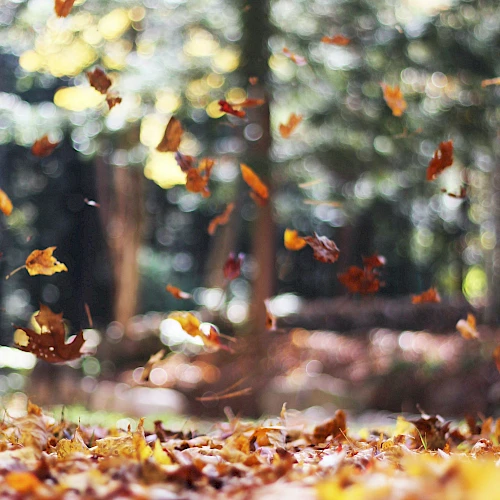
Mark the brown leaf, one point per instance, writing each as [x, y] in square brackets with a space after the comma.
[358, 280]
[197, 178]
[394, 99]
[5, 203]
[496, 357]
[153, 360]
[177, 292]
[293, 241]
[335, 427]
[442, 158]
[225, 107]
[186, 162]
[260, 191]
[63, 7]
[298, 60]
[428, 296]
[99, 80]
[467, 328]
[336, 40]
[374, 261]
[286, 129]
[325, 250]
[50, 344]
[42, 262]
[221, 219]
[172, 136]
[113, 101]
[253, 80]
[232, 266]
[43, 147]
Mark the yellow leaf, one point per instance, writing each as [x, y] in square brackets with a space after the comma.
[42, 262]
[5, 203]
[293, 241]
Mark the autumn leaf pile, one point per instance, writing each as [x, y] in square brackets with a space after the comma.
[420, 457]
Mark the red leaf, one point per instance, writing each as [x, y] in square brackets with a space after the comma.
[358, 280]
[63, 7]
[227, 108]
[428, 296]
[443, 158]
[373, 261]
[325, 250]
[99, 80]
[43, 147]
[232, 266]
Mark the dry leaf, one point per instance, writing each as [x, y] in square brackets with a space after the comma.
[394, 99]
[186, 162]
[260, 192]
[23, 483]
[373, 261]
[325, 250]
[191, 325]
[197, 178]
[99, 80]
[253, 80]
[153, 359]
[492, 81]
[286, 129]
[5, 203]
[177, 292]
[221, 219]
[336, 40]
[467, 328]
[358, 280]
[50, 344]
[42, 262]
[225, 107]
[113, 101]
[442, 158]
[335, 427]
[496, 357]
[232, 266]
[271, 322]
[298, 60]
[429, 296]
[293, 241]
[460, 195]
[43, 147]
[63, 7]
[250, 103]
[172, 136]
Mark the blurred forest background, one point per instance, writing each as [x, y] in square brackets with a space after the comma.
[352, 172]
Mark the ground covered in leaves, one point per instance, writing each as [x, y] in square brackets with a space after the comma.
[423, 457]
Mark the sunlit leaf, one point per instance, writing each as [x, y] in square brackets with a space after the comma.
[232, 266]
[172, 136]
[113, 101]
[5, 203]
[42, 262]
[177, 292]
[225, 107]
[467, 328]
[99, 80]
[63, 7]
[197, 178]
[251, 103]
[394, 99]
[23, 483]
[298, 60]
[336, 40]
[43, 147]
[286, 129]
[293, 241]
[259, 189]
[442, 159]
[430, 295]
[221, 219]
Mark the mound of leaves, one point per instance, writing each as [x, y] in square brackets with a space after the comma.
[428, 457]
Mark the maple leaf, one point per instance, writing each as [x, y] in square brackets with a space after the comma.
[43, 147]
[177, 292]
[260, 192]
[298, 60]
[492, 81]
[221, 219]
[428, 296]
[467, 328]
[197, 178]
[373, 261]
[324, 249]
[232, 266]
[394, 99]
[63, 7]
[293, 241]
[336, 40]
[113, 101]
[286, 129]
[442, 158]
[99, 80]
[225, 107]
[5, 203]
[358, 280]
[50, 344]
[186, 162]
[41, 262]
[172, 136]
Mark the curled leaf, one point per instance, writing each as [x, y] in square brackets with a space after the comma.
[177, 292]
[43, 147]
[172, 136]
[358, 280]
[394, 99]
[467, 328]
[298, 60]
[221, 219]
[5, 203]
[293, 241]
[336, 40]
[99, 80]
[442, 158]
[225, 107]
[260, 192]
[428, 296]
[325, 250]
[286, 129]
[63, 7]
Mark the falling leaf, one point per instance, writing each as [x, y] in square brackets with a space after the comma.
[492, 81]
[460, 195]
[253, 80]
[298, 60]
[293, 241]
[322, 202]
[177, 292]
[113, 101]
[260, 192]
[336, 40]
[197, 178]
[152, 361]
[41, 262]
[232, 266]
[191, 325]
[99, 80]
[374, 261]
[225, 107]
[467, 328]
[442, 158]
[428, 296]
[186, 162]
[358, 280]
[91, 203]
[43, 147]
[172, 136]
[250, 103]
[286, 129]
[63, 7]
[394, 99]
[50, 344]
[271, 322]
[325, 250]
[5, 203]
[496, 357]
[221, 219]
[89, 315]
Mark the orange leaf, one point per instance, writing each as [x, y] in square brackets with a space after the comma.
[5, 203]
[50, 344]
[260, 191]
[63, 7]
[394, 99]
[250, 103]
[43, 147]
[253, 80]
[325, 250]
[42, 262]
[442, 158]
[99, 80]
[225, 107]
[293, 241]
[286, 129]
[358, 280]
[468, 328]
[197, 178]
[496, 357]
[271, 322]
[185, 161]
[177, 292]
[298, 60]
[221, 219]
[430, 295]
[232, 266]
[373, 261]
[172, 136]
[492, 81]
[336, 40]
[23, 482]
[113, 101]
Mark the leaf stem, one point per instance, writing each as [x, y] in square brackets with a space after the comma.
[15, 271]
